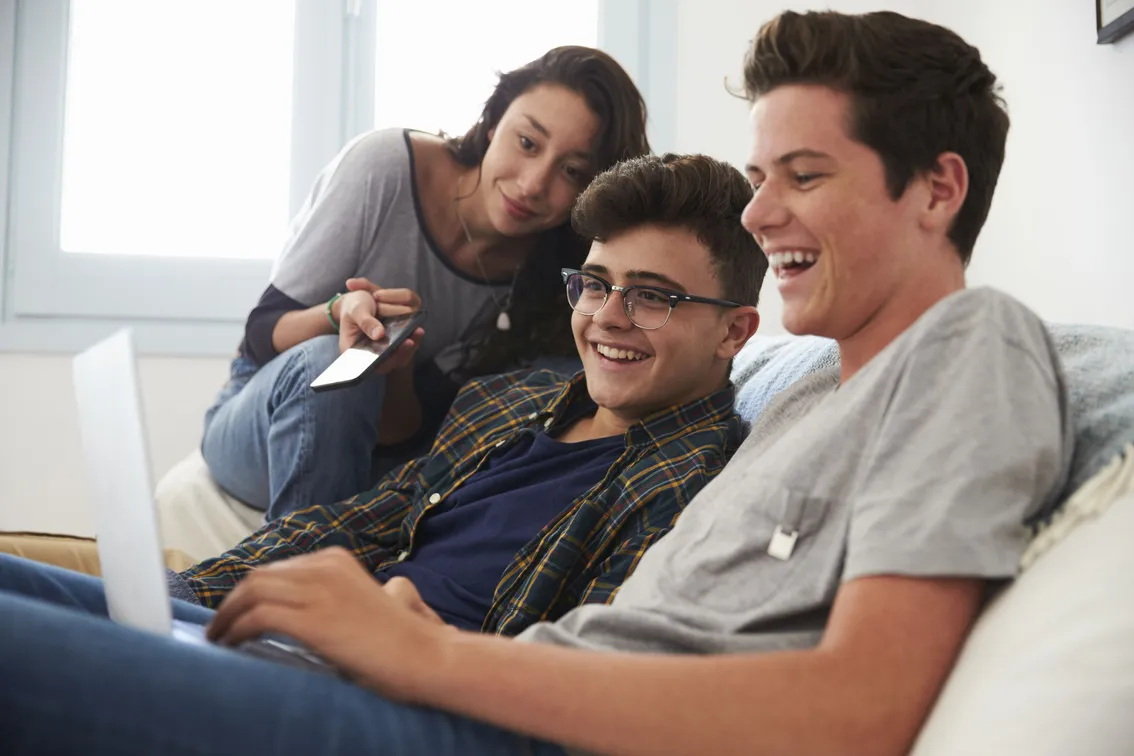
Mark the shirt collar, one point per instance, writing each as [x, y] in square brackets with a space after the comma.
[573, 402]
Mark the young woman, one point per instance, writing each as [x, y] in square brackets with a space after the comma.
[473, 228]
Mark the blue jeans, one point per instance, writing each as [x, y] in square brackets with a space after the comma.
[276, 445]
[72, 682]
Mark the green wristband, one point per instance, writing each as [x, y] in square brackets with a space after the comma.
[330, 315]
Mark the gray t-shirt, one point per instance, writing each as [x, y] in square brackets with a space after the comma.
[363, 219]
[927, 462]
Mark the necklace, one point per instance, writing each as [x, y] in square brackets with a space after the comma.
[503, 321]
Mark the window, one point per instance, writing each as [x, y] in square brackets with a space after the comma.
[158, 150]
[152, 153]
[189, 154]
[454, 71]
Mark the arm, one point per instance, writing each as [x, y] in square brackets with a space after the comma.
[401, 408]
[366, 525]
[867, 687]
[326, 244]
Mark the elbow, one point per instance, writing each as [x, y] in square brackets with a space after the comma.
[885, 725]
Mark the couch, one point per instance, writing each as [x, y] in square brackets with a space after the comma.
[1049, 667]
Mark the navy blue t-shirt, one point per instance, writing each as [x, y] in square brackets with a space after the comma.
[463, 546]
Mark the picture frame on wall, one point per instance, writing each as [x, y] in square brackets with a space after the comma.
[1113, 19]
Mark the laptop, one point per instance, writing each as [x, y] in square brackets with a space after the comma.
[118, 473]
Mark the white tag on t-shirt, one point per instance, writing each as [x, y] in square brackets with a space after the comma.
[783, 543]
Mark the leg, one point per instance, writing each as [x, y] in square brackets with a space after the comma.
[279, 446]
[73, 590]
[74, 684]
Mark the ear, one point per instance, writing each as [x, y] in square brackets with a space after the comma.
[948, 184]
[742, 323]
[491, 133]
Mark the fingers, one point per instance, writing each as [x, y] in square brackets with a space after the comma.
[358, 315]
[371, 326]
[402, 297]
[362, 284]
[404, 354]
[261, 620]
[392, 310]
[262, 588]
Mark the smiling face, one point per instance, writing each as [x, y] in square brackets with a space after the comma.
[538, 160]
[632, 372]
[844, 253]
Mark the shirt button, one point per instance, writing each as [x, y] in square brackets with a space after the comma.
[434, 498]
[402, 555]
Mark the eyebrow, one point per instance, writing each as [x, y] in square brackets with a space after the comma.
[582, 154]
[789, 157]
[637, 275]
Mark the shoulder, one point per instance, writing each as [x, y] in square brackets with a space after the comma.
[383, 154]
[434, 167]
[981, 312]
[682, 463]
[516, 392]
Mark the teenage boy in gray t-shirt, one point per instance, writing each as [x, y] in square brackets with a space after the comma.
[814, 597]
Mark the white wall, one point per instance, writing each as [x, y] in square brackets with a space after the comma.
[1060, 237]
[1061, 232]
[41, 478]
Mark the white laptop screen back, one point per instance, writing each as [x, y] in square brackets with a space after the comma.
[118, 474]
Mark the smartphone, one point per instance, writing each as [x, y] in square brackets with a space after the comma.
[360, 360]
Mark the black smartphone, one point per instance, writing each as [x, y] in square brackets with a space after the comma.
[366, 355]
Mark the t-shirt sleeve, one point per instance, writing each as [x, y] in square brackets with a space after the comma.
[974, 441]
[332, 232]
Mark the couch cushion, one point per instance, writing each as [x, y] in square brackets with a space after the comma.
[1098, 362]
[71, 552]
[1049, 666]
[196, 516]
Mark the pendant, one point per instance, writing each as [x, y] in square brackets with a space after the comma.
[503, 322]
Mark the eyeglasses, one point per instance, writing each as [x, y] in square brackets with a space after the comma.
[648, 307]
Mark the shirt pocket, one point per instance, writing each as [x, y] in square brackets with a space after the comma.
[724, 564]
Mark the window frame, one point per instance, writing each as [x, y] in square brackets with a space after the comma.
[54, 301]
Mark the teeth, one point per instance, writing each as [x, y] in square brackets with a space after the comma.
[619, 354]
[780, 259]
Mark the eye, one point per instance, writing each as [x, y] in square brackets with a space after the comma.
[803, 179]
[526, 144]
[652, 297]
[591, 284]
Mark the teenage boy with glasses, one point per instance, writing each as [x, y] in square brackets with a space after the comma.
[541, 494]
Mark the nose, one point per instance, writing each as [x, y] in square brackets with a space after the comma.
[612, 316]
[533, 180]
[765, 212]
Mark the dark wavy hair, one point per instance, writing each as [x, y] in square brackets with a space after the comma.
[916, 89]
[693, 192]
[539, 311]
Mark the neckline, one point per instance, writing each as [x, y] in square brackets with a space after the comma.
[419, 215]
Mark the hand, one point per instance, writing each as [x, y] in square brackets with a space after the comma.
[405, 593]
[363, 305]
[383, 636]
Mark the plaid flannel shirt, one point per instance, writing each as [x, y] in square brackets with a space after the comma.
[583, 556]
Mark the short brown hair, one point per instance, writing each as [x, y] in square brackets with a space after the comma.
[694, 192]
[917, 90]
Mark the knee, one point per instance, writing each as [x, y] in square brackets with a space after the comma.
[317, 353]
[304, 362]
